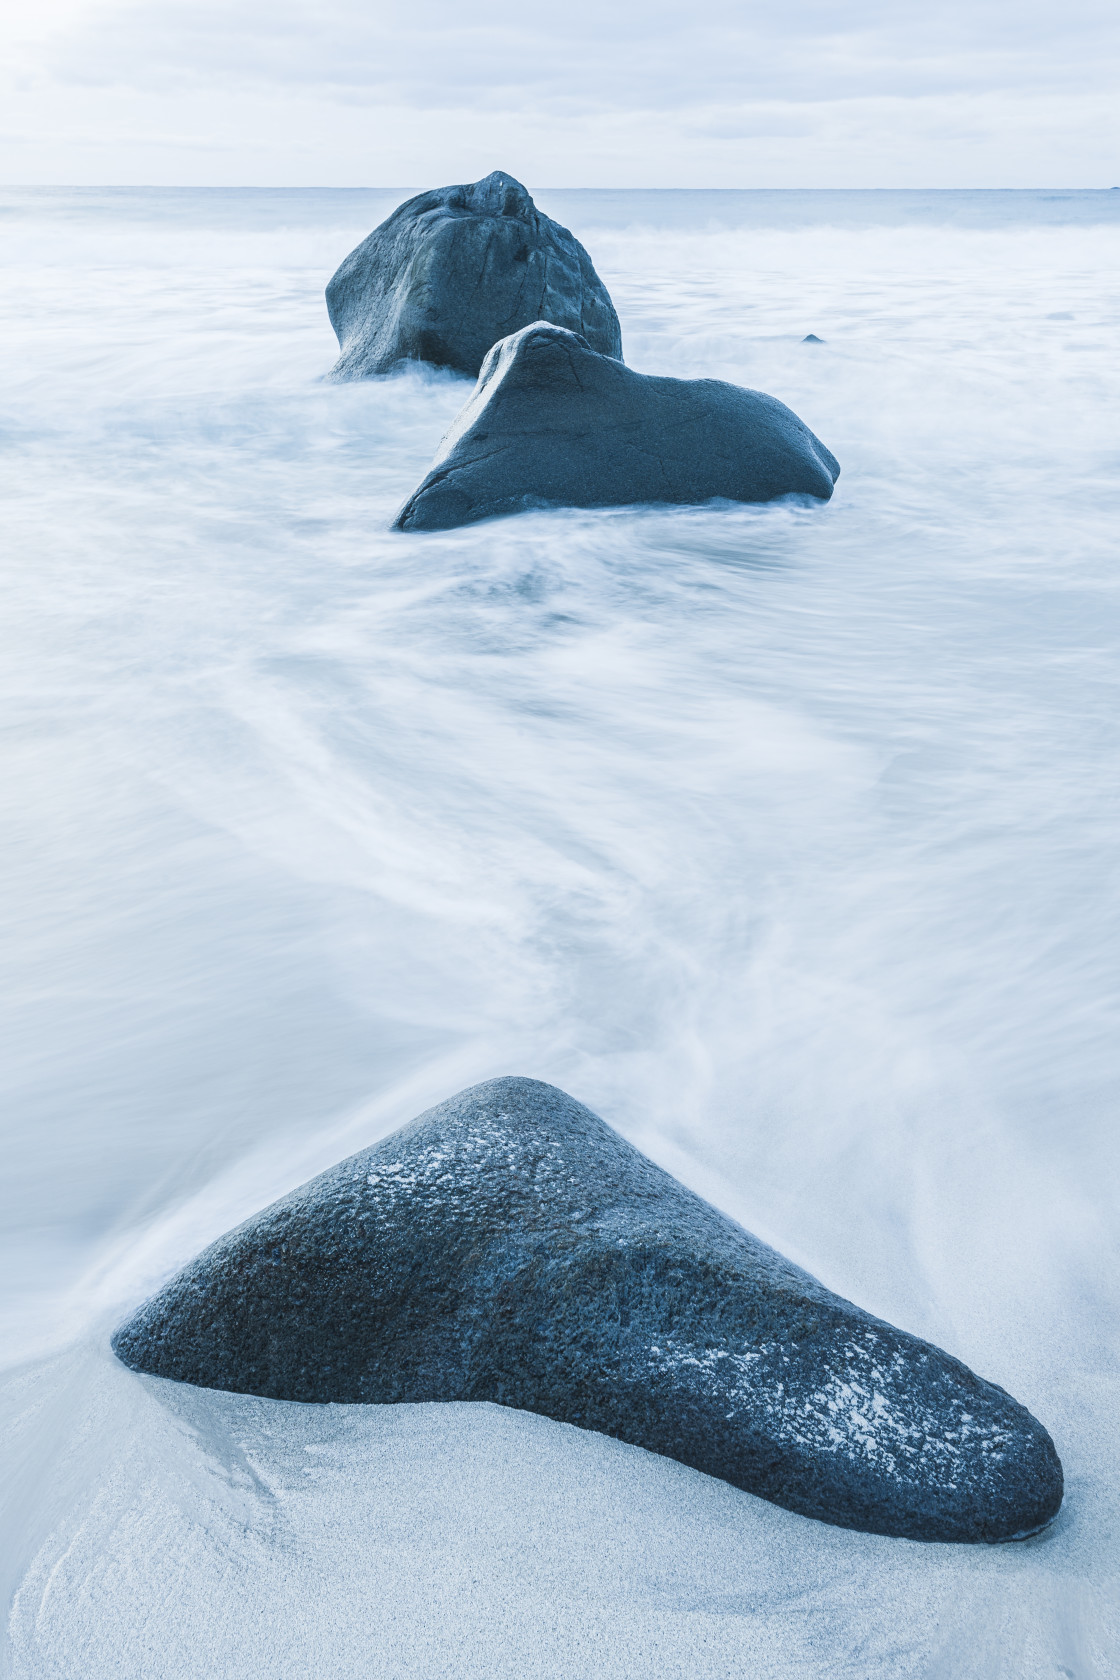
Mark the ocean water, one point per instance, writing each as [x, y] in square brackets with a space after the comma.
[786, 838]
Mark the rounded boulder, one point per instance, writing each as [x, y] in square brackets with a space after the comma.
[451, 272]
[509, 1246]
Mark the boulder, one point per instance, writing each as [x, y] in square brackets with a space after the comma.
[551, 423]
[508, 1246]
[451, 272]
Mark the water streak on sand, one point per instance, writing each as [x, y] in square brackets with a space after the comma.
[784, 838]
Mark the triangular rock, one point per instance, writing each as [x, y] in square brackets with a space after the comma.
[452, 271]
[553, 424]
[509, 1246]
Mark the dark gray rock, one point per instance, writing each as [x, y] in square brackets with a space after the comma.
[811, 338]
[553, 424]
[508, 1246]
[451, 272]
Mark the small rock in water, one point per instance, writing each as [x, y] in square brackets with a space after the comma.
[811, 338]
[551, 423]
[451, 272]
[508, 1246]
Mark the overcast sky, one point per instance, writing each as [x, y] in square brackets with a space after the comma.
[420, 92]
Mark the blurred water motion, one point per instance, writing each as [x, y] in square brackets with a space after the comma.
[784, 837]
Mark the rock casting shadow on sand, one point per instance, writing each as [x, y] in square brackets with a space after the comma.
[509, 1246]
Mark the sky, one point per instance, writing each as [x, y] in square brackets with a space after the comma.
[415, 93]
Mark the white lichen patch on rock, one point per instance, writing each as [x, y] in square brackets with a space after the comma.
[493, 1159]
[866, 1408]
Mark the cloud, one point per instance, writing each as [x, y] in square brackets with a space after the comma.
[667, 92]
[654, 57]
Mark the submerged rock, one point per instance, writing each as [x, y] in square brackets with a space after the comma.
[451, 272]
[509, 1246]
[551, 423]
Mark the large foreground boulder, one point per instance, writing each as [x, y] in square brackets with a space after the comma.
[451, 272]
[509, 1246]
[551, 423]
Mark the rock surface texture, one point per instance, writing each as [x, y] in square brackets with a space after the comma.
[509, 1246]
[551, 423]
[451, 272]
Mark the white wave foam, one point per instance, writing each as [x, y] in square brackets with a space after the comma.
[784, 838]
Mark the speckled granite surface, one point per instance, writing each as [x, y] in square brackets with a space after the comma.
[509, 1246]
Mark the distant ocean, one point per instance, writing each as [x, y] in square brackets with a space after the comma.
[785, 837]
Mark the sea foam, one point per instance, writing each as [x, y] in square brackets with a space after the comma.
[783, 837]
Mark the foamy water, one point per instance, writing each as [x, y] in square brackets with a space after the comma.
[784, 837]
